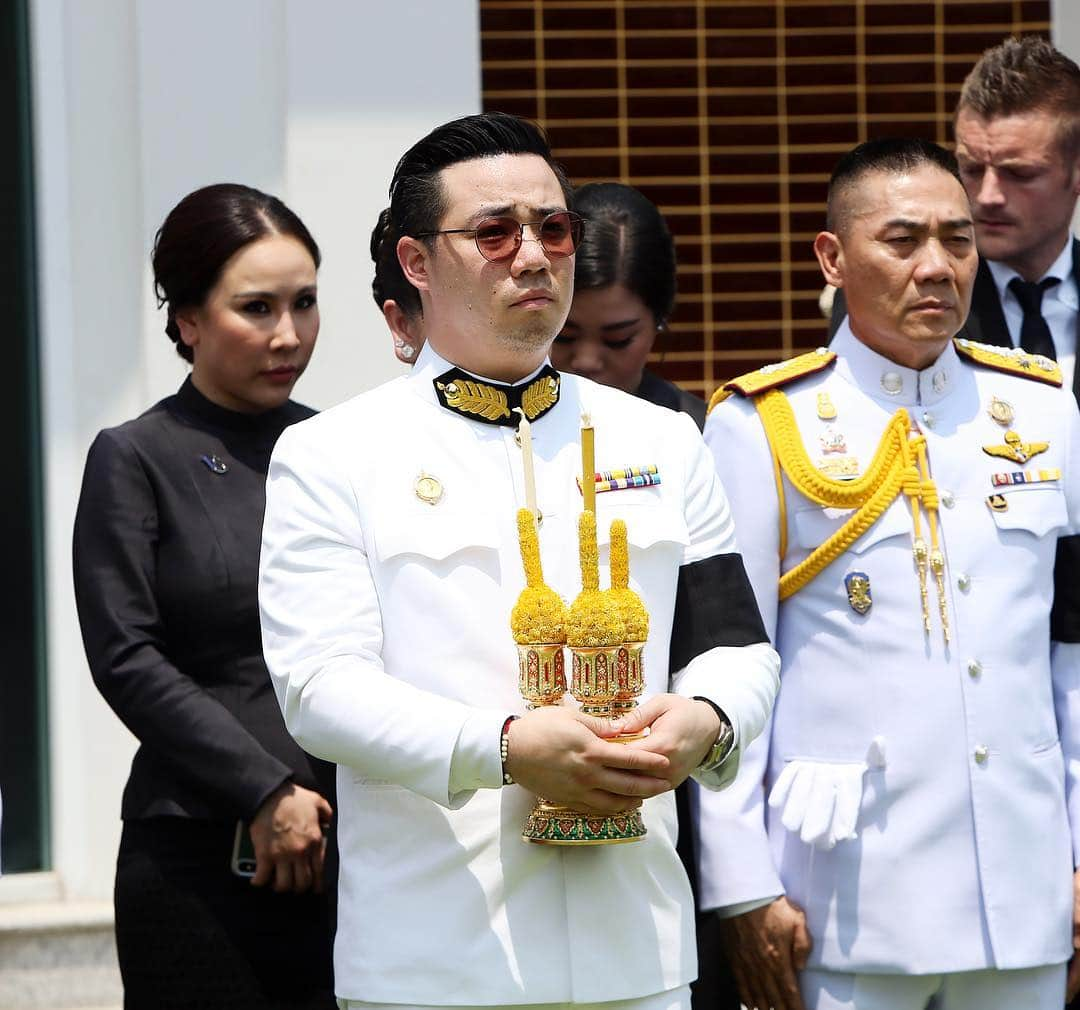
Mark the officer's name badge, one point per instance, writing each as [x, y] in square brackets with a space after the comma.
[1025, 477]
[625, 477]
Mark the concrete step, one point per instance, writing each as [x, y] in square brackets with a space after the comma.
[58, 955]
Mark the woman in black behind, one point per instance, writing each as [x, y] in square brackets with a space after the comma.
[167, 540]
[624, 293]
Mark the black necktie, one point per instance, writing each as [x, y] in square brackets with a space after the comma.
[1035, 335]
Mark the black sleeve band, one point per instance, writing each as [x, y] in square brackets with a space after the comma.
[1065, 614]
[714, 605]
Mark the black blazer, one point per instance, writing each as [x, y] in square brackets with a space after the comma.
[987, 320]
[667, 394]
[166, 557]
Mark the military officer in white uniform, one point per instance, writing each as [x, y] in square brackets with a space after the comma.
[903, 834]
[390, 566]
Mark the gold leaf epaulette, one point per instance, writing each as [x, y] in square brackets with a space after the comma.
[1012, 360]
[773, 376]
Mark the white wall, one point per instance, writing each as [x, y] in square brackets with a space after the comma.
[1065, 17]
[137, 102]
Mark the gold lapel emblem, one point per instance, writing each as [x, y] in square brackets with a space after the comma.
[1015, 448]
[539, 395]
[1001, 411]
[475, 398]
[825, 408]
[428, 489]
[998, 503]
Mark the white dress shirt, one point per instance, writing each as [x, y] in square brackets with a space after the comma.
[1059, 307]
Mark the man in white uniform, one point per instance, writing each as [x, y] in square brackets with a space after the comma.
[903, 833]
[390, 566]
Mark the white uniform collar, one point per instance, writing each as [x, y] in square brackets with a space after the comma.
[430, 365]
[1061, 268]
[889, 382]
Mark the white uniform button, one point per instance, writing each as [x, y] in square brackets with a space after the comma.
[974, 668]
[963, 580]
[892, 382]
[928, 419]
[939, 382]
[981, 754]
[947, 499]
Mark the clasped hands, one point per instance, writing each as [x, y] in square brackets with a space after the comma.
[568, 757]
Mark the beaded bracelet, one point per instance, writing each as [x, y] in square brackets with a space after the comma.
[504, 749]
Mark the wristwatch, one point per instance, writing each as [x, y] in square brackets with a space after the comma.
[725, 740]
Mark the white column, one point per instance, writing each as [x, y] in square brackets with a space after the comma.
[137, 102]
[1065, 31]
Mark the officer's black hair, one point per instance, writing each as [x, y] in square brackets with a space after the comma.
[202, 233]
[626, 242]
[890, 155]
[389, 280]
[417, 201]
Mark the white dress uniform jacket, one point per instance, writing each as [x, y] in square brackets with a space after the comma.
[386, 630]
[939, 773]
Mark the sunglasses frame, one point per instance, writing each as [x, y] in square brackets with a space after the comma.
[577, 233]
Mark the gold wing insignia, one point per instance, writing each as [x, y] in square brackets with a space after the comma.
[476, 398]
[539, 396]
[1015, 449]
[1005, 452]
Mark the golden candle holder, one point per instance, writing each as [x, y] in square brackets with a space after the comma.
[541, 674]
[629, 678]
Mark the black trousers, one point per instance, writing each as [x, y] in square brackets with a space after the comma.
[715, 986]
[191, 935]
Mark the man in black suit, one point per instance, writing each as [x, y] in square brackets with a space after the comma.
[1017, 128]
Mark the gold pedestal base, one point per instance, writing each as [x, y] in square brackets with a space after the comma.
[552, 824]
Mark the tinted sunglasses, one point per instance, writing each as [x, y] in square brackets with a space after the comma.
[499, 238]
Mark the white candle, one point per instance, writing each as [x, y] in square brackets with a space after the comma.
[525, 435]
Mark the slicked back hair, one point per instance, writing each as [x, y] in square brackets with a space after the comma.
[390, 280]
[626, 242]
[1026, 75]
[889, 155]
[202, 233]
[417, 200]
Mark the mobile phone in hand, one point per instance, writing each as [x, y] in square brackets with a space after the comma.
[243, 852]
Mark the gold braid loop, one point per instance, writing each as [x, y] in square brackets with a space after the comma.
[899, 467]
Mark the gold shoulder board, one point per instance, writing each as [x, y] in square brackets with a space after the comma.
[1011, 360]
[773, 376]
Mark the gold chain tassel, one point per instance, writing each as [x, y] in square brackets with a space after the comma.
[922, 556]
[899, 466]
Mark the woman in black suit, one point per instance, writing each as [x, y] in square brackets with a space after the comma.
[624, 293]
[166, 554]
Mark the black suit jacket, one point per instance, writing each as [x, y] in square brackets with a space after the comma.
[986, 324]
[166, 557]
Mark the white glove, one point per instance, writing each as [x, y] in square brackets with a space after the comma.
[820, 800]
